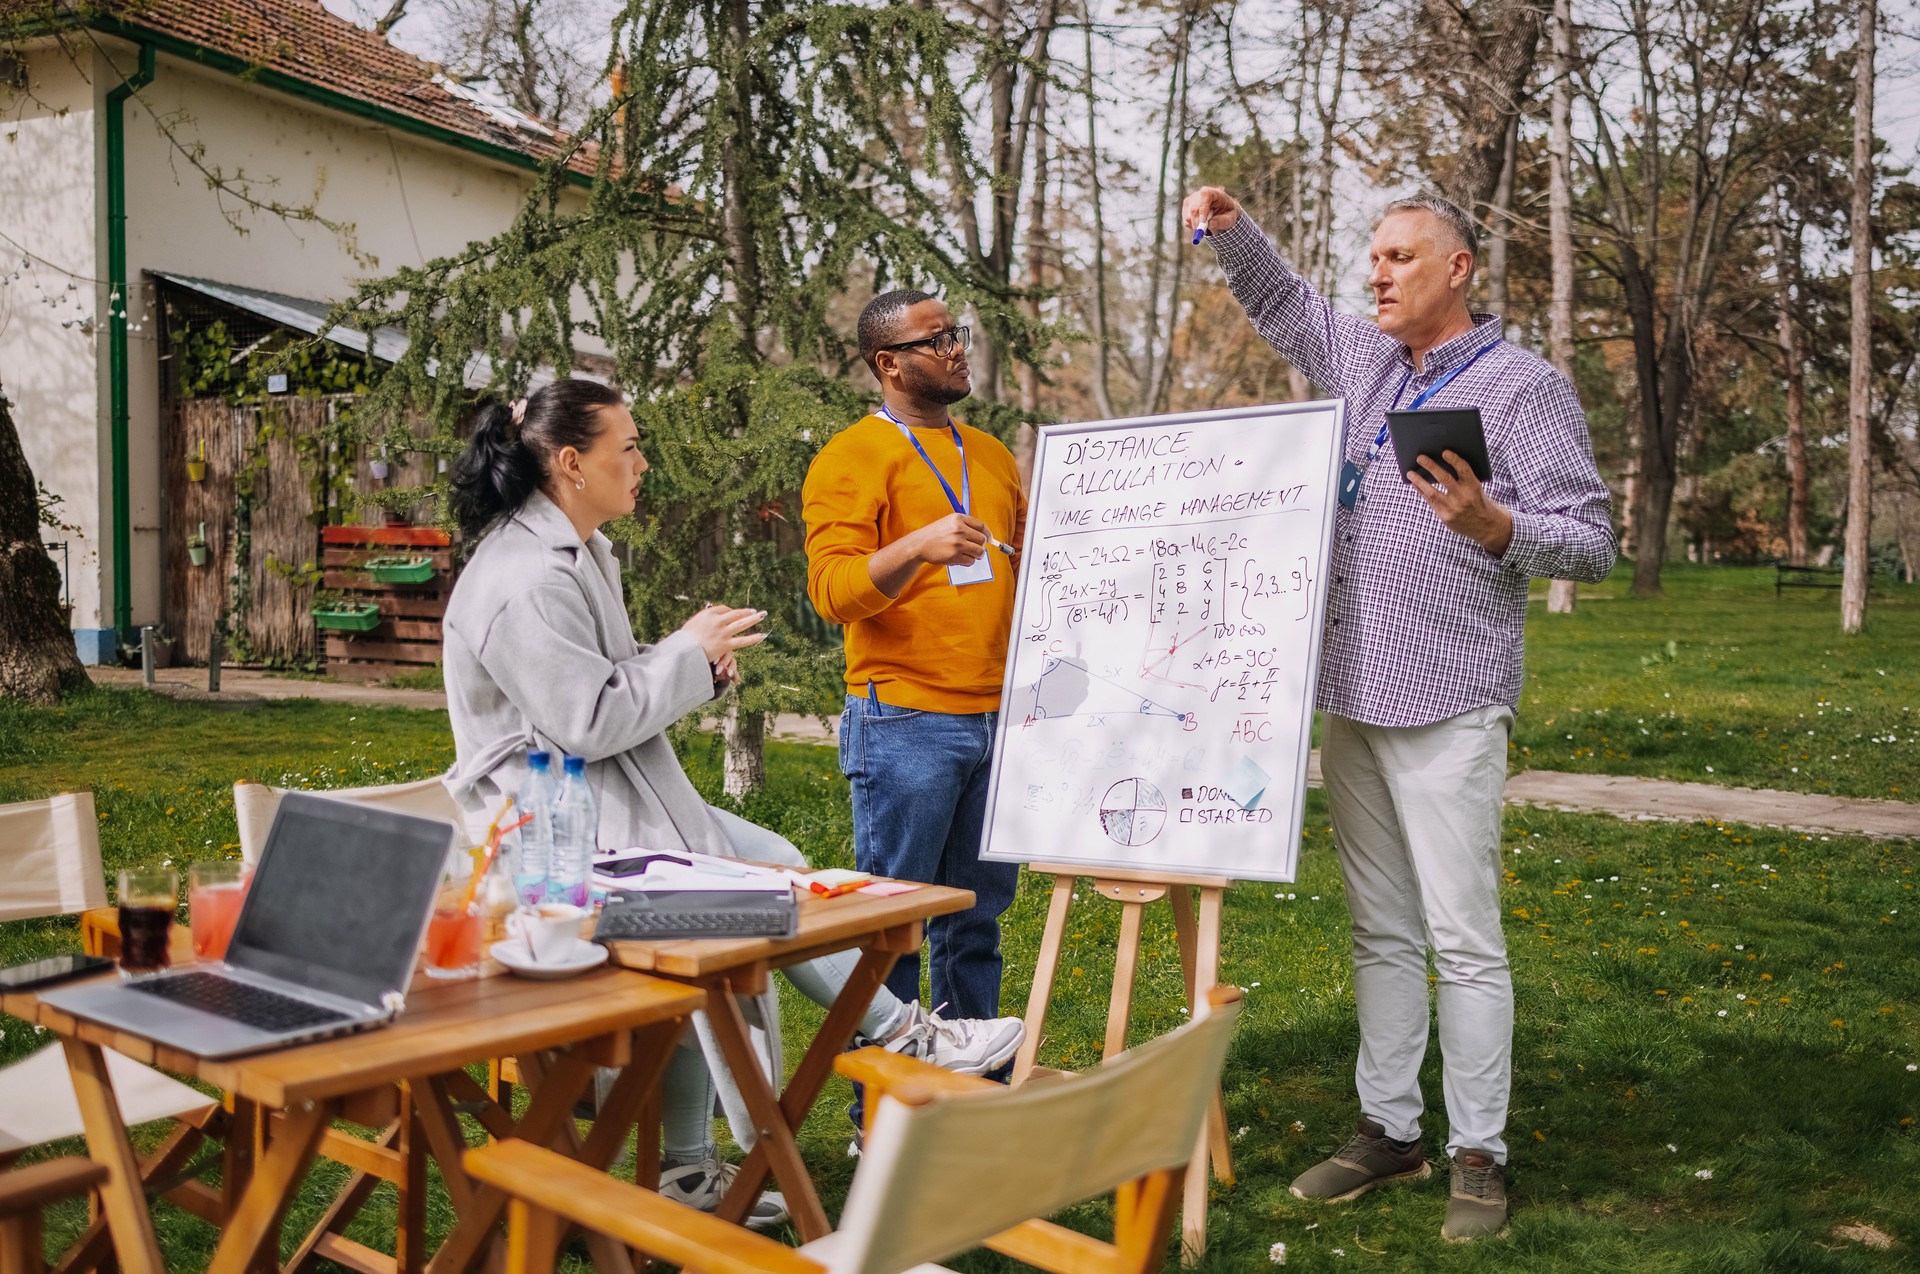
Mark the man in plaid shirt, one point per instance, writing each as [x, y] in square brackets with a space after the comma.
[1422, 663]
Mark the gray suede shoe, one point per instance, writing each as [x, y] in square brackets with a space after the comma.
[1477, 1208]
[1369, 1159]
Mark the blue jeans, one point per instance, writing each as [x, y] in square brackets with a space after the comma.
[919, 808]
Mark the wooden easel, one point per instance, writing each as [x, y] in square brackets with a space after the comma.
[1199, 963]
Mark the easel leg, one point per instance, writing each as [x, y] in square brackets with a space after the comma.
[1044, 969]
[1213, 1137]
[1126, 957]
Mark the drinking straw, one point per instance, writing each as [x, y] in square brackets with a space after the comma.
[492, 849]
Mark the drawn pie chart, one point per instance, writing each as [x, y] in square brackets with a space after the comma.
[1132, 812]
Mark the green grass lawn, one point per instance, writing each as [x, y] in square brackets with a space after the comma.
[1693, 998]
[1720, 682]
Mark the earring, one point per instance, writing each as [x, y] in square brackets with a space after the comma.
[581, 485]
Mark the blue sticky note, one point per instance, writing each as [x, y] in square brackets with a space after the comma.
[1247, 784]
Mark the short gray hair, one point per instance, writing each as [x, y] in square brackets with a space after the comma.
[1446, 212]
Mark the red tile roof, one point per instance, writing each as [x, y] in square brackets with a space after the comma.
[303, 41]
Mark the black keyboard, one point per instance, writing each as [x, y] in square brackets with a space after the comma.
[238, 1001]
[631, 918]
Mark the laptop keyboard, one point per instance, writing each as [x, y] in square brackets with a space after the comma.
[238, 1001]
[643, 925]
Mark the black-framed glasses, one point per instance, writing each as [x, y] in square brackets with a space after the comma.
[943, 344]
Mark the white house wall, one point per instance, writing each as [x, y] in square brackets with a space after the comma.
[51, 353]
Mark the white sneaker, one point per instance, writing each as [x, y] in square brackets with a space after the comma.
[966, 1046]
[703, 1183]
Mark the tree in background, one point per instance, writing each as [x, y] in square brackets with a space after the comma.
[750, 170]
[37, 657]
[1858, 567]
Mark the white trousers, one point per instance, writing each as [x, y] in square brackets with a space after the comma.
[1416, 813]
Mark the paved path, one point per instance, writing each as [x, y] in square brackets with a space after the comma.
[1623, 797]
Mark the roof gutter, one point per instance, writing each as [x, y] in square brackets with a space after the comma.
[281, 82]
[118, 299]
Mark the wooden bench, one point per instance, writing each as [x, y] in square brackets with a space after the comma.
[1785, 576]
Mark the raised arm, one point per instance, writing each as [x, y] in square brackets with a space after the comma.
[543, 653]
[1283, 307]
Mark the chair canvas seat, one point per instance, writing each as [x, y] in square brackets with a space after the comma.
[827, 1247]
[41, 1107]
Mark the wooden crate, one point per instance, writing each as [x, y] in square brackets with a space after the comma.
[409, 633]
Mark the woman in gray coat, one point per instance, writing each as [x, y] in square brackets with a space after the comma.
[540, 655]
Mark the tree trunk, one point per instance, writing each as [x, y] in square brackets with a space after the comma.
[1562, 594]
[1027, 439]
[1102, 341]
[746, 760]
[1858, 566]
[37, 659]
[1500, 227]
[1171, 130]
[1786, 255]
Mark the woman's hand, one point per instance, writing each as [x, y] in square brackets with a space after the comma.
[721, 630]
[727, 668]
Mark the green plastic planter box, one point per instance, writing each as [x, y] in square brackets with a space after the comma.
[348, 617]
[400, 570]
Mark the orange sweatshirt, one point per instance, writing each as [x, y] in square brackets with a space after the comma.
[936, 647]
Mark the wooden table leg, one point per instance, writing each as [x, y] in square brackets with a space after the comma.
[553, 1087]
[347, 1204]
[776, 1122]
[123, 1195]
[252, 1235]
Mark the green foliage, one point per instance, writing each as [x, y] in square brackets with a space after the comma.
[211, 364]
[745, 178]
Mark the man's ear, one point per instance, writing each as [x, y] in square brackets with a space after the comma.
[1460, 268]
[886, 366]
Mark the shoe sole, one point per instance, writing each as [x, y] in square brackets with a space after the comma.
[1500, 1233]
[1421, 1173]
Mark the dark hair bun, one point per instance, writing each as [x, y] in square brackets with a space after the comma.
[505, 462]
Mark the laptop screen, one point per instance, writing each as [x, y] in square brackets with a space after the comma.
[341, 897]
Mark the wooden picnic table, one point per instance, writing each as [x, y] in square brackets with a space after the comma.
[883, 928]
[558, 1033]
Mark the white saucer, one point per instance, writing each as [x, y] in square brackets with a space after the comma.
[513, 954]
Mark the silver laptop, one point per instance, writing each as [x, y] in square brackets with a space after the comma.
[325, 944]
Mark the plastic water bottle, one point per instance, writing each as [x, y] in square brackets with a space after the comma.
[535, 859]
[576, 832]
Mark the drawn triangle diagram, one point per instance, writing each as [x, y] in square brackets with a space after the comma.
[1068, 688]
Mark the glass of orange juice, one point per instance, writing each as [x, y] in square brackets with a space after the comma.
[453, 935]
[215, 891]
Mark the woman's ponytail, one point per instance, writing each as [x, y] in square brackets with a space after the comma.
[495, 474]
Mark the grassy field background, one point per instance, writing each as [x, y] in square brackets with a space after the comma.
[1716, 1023]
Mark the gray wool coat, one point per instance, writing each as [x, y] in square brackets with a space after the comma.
[539, 654]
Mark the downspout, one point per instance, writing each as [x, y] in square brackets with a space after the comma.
[119, 298]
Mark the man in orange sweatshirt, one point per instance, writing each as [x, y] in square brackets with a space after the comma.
[913, 526]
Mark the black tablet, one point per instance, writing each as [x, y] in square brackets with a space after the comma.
[1437, 430]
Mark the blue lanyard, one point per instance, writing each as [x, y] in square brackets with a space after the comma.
[963, 503]
[1380, 439]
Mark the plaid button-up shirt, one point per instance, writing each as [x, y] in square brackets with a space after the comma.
[1424, 624]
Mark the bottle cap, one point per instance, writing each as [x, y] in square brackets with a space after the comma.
[576, 766]
[538, 760]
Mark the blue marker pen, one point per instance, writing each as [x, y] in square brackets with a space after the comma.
[1199, 233]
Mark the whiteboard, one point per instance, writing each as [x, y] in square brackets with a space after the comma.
[1158, 698]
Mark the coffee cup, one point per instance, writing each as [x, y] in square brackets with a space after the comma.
[550, 931]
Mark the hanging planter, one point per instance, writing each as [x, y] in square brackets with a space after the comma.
[197, 542]
[347, 617]
[379, 466]
[400, 570]
[197, 467]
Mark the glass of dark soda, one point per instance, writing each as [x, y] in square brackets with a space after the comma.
[147, 896]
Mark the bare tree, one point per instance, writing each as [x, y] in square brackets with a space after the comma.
[543, 56]
[1102, 338]
[1786, 256]
[1561, 593]
[1858, 565]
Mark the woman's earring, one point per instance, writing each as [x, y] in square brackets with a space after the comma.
[581, 485]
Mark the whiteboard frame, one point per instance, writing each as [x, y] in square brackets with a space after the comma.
[1318, 605]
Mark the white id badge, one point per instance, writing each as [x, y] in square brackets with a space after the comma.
[979, 573]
